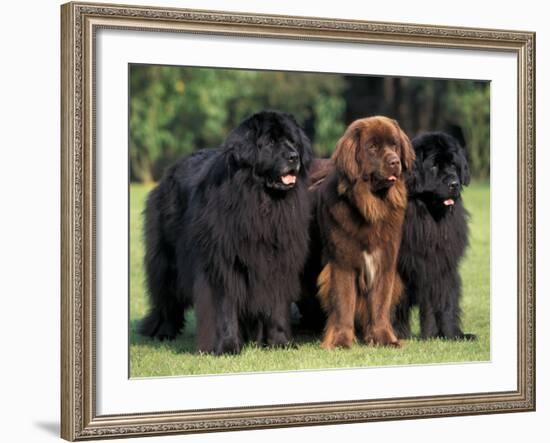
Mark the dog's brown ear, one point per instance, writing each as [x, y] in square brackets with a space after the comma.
[345, 155]
[407, 151]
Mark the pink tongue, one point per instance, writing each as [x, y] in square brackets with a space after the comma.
[392, 178]
[449, 202]
[288, 179]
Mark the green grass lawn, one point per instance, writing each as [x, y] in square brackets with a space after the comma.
[153, 358]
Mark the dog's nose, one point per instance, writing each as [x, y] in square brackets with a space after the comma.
[292, 156]
[453, 186]
[393, 161]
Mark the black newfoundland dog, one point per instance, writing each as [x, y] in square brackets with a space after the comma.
[226, 230]
[435, 235]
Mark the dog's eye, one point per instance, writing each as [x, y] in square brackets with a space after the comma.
[372, 147]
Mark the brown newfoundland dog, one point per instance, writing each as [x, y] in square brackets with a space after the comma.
[360, 201]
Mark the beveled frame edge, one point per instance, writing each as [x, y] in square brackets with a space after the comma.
[79, 21]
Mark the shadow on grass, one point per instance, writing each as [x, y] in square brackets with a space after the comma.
[184, 343]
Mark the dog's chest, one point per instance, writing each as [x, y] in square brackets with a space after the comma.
[370, 268]
[440, 240]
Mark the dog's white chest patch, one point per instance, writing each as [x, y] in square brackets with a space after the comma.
[371, 267]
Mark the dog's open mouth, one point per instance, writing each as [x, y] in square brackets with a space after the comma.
[449, 202]
[284, 182]
[389, 181]
[380, 181]
[288, 179]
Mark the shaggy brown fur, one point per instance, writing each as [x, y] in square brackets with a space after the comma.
[360, 208]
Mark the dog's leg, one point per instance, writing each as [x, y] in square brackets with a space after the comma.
[166, 316]
[401, 318]
[217, 320]
[228, 338]
[253, 331]
[428, 323]
[379, 331]
[401, 311]
[449, 317]
[205, 315]
[278, 330]
[340, 306]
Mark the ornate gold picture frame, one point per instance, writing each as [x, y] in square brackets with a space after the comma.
[80, 22]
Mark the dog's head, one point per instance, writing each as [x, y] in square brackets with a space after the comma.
[375, 150]
[441, 169]
[273, 147]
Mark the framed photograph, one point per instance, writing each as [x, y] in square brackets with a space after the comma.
[275, 221]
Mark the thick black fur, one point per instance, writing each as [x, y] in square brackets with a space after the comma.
[435, 237]
[225, 234]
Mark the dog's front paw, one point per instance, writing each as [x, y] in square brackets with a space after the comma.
[278, 338]
[382, 336]
[228, 345]
[466, 337]
[342, 338]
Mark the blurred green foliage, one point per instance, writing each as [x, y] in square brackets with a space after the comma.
[175, 110]
[471, 107]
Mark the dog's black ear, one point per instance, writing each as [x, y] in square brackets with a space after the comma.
[306, 152]
[242, 143]
[415, 177]
[456, 141]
